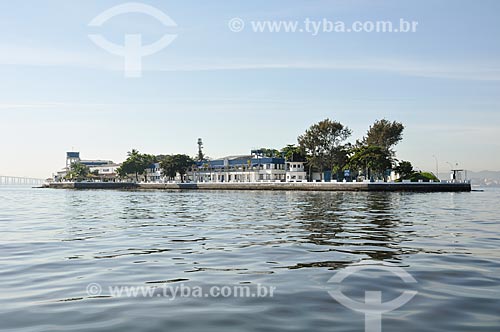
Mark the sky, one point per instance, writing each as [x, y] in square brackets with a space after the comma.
[60, 91]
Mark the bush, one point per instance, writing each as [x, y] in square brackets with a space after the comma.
[424, 176]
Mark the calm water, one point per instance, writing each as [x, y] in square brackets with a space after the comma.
[54, 243]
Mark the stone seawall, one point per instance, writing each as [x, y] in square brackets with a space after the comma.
[302, 186]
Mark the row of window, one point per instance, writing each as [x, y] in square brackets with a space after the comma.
[263, 166]
[241, 177]
[296, 165]
[298, 177]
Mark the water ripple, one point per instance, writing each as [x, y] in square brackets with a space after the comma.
[54, 243]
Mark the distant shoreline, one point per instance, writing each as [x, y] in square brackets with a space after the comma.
[273, 186]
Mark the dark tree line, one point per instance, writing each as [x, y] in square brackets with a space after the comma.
[325, 148]
[137, 164]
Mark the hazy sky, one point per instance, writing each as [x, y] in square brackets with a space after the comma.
[59, 91]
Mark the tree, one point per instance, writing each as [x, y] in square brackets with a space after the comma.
[404, 169]
[371, 159]
[136, 163]
[374, 153]
[406, 172]
[168, 167]
[322, 143]
[341, 160]
[385, 134]
[183, 163]
[269, 152]
[173, 164]
[292, 152]
[78, 172]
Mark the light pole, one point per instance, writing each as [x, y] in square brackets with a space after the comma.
[437, 166]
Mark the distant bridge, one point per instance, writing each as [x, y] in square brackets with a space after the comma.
[20, 181]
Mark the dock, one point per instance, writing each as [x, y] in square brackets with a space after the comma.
[275, 186]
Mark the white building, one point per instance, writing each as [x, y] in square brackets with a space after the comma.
[244, 168]
[295, 171]
[154, 174]
[106, 169]
[248, 168]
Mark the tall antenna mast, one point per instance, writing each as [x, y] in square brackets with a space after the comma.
[200, 150]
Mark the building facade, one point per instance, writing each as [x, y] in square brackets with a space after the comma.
[105, 172]
[242, 168]
[248, 168]
[104, 169]
[295, 171]
[154, 174]
[245, 168]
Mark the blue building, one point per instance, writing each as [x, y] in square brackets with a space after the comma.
[244, 168]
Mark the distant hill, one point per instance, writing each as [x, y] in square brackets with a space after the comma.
[482, 178]
[485, 178]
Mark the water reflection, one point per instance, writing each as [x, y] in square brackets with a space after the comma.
[296, 230]
[54, 243]
[367, 224]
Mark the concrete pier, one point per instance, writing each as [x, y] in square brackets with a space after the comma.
[283, 186]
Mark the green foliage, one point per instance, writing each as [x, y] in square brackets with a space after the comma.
[168, 167]
[416, 176]
[424, 176]
[384, 133]
[270, 152]
[177, 163]
[292, 152]
[404, 169]
[323, 144]
[373, 160]
[406, 172]
[77, 172]
[374, 154]
[136, 163]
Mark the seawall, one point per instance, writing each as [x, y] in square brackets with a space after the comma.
[291, 186]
